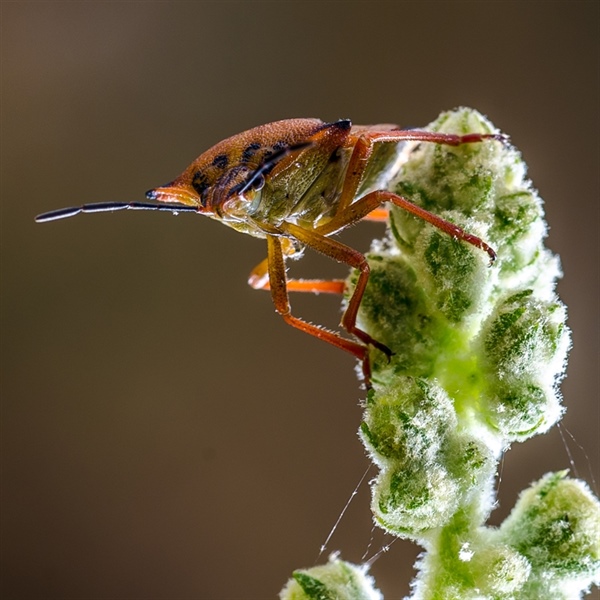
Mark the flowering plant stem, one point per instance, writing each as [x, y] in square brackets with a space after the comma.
[479, 352]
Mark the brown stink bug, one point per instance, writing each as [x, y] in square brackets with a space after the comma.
[296, 183]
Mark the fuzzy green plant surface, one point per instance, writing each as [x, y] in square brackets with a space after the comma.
[479, 352]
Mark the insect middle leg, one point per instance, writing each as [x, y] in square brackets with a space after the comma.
[259, 280]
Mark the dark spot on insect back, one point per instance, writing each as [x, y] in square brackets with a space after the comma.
[277, 149]
[200, 182]
[249, 151]
[220, 161]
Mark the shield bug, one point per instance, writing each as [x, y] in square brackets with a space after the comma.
[296, 183]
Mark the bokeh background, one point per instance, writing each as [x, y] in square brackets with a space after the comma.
[165, 434]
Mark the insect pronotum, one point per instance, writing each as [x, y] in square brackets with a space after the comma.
[296, 183]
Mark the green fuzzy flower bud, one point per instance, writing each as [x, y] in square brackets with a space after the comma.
[337, 580]
[427, 463]
[498, 571]
[549, 547]
[472, 565]
[525, 343]
[556, 526]
[479, 349]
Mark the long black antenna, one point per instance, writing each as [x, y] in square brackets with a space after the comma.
[63, 213]
[256, 179]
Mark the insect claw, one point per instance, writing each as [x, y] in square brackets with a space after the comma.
[499, 137]
[478, 137]
[382, 348]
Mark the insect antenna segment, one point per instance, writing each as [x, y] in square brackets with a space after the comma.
[63, 213]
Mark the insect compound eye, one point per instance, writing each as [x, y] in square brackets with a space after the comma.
[257, 182]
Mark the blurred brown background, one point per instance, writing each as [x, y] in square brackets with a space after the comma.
[165, 434]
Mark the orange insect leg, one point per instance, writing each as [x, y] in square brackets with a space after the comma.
[343, 254]
[415, 135]
[379, 214]
[350, 212]
[279, 293]
[450, 228]
[259, 280]
[270, 273]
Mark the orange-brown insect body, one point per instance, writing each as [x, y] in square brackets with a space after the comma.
[302, 187]
[296, 183]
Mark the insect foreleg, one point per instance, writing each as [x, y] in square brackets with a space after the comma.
[343, 254]
[279, 293]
